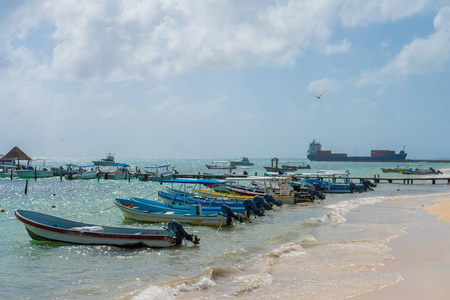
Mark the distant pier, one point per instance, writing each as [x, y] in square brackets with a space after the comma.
[375, 178]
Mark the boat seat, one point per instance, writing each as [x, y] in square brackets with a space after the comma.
[88, 229]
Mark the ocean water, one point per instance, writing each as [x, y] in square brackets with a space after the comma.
[328, 250]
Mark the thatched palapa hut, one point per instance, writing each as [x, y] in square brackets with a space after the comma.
[16, 154]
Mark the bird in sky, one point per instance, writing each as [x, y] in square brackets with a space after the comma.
[318, 97]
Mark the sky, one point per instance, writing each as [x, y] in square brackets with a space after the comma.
[224, 79]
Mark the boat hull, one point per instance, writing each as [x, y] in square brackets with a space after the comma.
[393, 158]
[34, 174]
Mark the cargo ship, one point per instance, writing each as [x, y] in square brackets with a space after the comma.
[315, 153]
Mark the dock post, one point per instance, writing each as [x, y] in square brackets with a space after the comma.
[26, 187]
[12, 170]
[35, 174]
[434, 181]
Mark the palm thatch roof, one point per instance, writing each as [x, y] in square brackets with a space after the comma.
[15, 154]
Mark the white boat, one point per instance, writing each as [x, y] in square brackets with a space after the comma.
[278, 187]
[44, 227]
[108, 161]
[243, 161]
[6, 170]
[157, 172]
[220, 165]
[121, 173]
[82, 173]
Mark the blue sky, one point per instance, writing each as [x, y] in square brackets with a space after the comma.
[224, 79]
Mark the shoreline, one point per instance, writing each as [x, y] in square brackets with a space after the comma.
[421, 257]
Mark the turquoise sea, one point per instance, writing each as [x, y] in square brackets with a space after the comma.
[328, 250]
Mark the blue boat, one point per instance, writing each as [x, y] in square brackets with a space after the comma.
[335, 182]
[138, 210]
[188, 186]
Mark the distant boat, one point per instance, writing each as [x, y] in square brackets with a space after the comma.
[418, 170]
[220, 165]
[44, 227]
[295, 165]
[121, 173]
[157, 172]
[108, 161]
[315, 153]
[243, 161]
[82, 173]
[388, 170]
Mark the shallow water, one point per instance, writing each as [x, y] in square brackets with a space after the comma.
[331, 250]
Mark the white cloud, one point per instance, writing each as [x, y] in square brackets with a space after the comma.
[362, 13]
[320, 85]
[121, 40]
[342, 47]
[421, 56]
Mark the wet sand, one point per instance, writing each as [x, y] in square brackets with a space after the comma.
[422, 257]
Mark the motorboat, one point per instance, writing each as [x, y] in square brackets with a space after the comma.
[157, 172]
[107, 161]
[220, 165]
[83, 172]
[45, 227]
[136, 209]
[243, 161]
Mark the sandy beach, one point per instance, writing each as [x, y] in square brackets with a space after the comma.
[422, 257]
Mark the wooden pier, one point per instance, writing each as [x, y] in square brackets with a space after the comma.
[375, 178]
[405, 180]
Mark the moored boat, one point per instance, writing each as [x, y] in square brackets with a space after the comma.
[107, 161]
[295, 165]
[336, 182]
[220, 165]
[44, 173]
[243, 161]
[44, 227]
[157, 172]
[389, 170]
[418, 171]
[82, 173]
[121, 173]
[144, 212]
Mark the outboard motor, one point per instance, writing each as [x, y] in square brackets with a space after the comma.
[317, 193]
[270, 199]
[368, 185]
[318, 187]
[261, 203]
[354, 188]
[178, 230]
[231, 215]
[303, 197]
[251, 207]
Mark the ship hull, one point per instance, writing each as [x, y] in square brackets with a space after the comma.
[393, 158]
